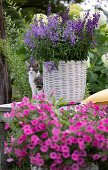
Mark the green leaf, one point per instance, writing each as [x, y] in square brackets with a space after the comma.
[102, 50]
[92, 77]
[59, 115]
[62, 104]
[53, 100]
[60, 100]
[64, 122]
[65, 111]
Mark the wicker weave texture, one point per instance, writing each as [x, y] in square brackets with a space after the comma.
[68, 81]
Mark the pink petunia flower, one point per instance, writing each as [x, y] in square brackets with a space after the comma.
[26, 112]
[83, 153]
[12, 140]
[32, 108]
[61, 110]
[74, 140]
[106, 129]
[7, 115]
[87, 138]
[80, 161]
[96, 156]
[35, 140]
[89, 128]
[99, 137]
[101, 127]
[95, 143]
[55, 131]
[67, 168]
[57, 147]
[21, 139]
[33, 160]
[80, 140]
[72, 102]
[52, 92]
[44, 135]
[17, 152]
[74, 156]
[105, 121]
[75, 166]
[10, 159]
[53, 155]
[55, 138]
[28, 131]
[66, 154]
[23, 153]
[63, 139]
[104, 158]
[44, 148]
[34, 122]
[81, 146]
[7, 126]
[59, 161]
[30, 146]
[21, 123]
[25, 99]
[40, 162]
[48, 142]
[64, 148]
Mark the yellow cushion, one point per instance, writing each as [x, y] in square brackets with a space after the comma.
[99, 98]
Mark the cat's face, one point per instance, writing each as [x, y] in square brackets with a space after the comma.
[33, 68]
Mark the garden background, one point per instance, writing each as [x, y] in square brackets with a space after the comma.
[19, 15]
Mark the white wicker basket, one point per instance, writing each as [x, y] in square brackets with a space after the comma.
[68, 81]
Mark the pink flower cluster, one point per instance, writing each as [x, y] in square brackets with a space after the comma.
[64, 143]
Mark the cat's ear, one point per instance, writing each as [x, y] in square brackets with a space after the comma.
[37, 64]
[27, 64]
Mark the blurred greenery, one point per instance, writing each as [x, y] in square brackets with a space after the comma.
[97, 73]
[17, 54]
[30, 7]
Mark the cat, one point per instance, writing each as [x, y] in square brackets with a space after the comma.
[35, 78]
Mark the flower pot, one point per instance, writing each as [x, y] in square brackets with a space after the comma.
[68, 81]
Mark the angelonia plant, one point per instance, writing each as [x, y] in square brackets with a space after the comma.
[53, 138]
[60, 38]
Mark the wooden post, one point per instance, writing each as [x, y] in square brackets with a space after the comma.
[5, 84]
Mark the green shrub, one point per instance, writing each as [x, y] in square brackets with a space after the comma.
[16, 54]
[97, 73]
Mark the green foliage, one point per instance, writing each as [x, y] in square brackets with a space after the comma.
[97, 74]
[31, 7]
[15, 12]
[16, 54]
[3, 43]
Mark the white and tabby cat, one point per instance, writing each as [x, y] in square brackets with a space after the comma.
[35, 78]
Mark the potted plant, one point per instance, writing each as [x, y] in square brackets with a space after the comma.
[50, 137]
[63, 43]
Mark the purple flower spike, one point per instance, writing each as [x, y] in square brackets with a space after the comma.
[48, 11]
[32, 60]
[65, 17]
[54, 40]
[50, 66]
